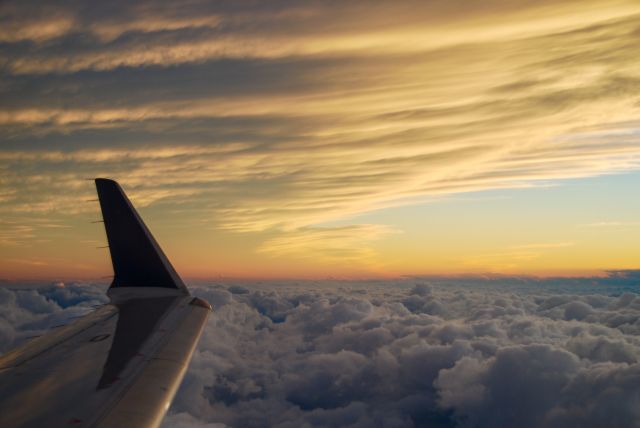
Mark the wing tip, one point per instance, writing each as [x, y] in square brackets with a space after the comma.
[137, 259]
[105, 181]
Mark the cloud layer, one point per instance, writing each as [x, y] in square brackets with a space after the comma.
[282, 116]
[412, 353]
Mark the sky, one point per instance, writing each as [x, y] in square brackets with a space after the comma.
[327, 139]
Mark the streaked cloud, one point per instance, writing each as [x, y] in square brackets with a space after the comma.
[608, 224]
[336, 247]
[543, 246]
[278, 118]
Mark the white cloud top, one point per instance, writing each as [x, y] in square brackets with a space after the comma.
[451, 353]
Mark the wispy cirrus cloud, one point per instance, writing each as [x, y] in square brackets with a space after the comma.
[283, 117]
[333, 246]
[608, 224]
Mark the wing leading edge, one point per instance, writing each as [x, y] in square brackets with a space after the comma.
[121, 365]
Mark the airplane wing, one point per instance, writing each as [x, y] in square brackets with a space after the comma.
[121, 365]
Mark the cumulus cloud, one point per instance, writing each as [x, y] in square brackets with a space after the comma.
[443, 352]
[28, 310]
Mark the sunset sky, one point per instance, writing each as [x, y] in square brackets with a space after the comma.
[344, 139]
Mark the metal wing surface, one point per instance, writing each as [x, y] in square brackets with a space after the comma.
[121, 365]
